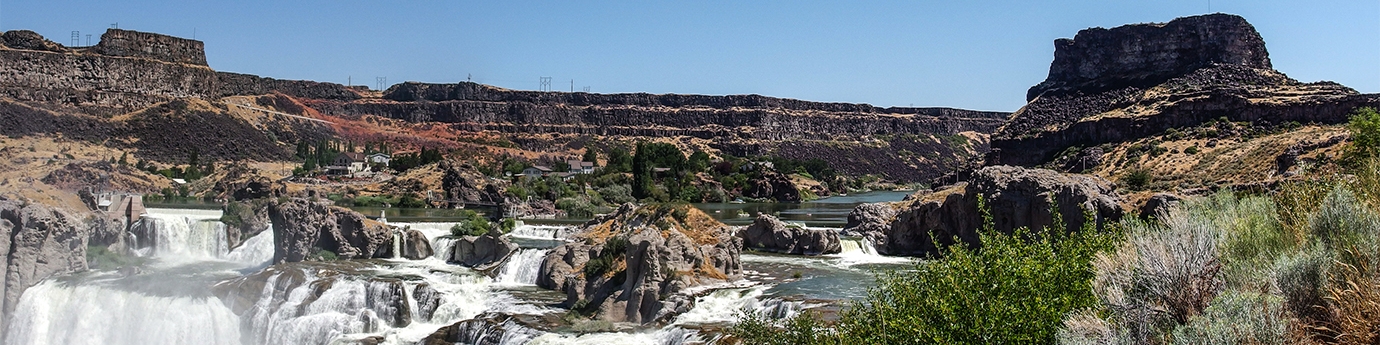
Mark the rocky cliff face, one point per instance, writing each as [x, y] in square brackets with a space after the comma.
[38, 242]
[128, 43]
[632, 265]
[1143, 55]
[1117, 85]
[302, 227]
[1017, 197]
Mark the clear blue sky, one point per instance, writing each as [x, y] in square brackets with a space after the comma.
[965, 54]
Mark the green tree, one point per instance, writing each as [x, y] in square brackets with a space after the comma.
[619, 161]
[642, 173]
[1365, 135]
[590, 155]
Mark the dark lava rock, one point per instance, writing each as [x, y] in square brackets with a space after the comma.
[302, 226]
[414, 245]
[773, 185]
[25, 39]
[1159, 206]
[1017, 197]
[769, 234]
[633, 266]
[482, 252]
[486, 329]
[1142, 55]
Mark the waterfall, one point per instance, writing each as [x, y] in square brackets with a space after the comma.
[57, 313]
[522, 267]
[442, 247]
[861, 251]
[256, 250]
[540, 232]
[397, 244]
[186, 234]
[723, 306]
[860, 246]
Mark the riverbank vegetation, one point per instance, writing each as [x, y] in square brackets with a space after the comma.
[1298, 264]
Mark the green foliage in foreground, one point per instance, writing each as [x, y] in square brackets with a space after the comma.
[1016, 289]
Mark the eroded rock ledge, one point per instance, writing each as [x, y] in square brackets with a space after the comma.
[635, 264]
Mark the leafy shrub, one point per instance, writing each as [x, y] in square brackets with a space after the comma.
[1364, 126]
[1192, 150]
[1301, 279]
[576, 206]
[805, 329]
[1016, 289]
[1136, 178]
[471, 224]
[616, 194]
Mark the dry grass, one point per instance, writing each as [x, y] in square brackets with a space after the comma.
[1233, 160]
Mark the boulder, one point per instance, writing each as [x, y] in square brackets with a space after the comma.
[39, 242]
[870, 220]
[1016, 197]
[486, 329]
[415, 245]
[636, 265]
[1159, 205]
[301, 227]
[428, 300]
[482, 252]
[769, 234]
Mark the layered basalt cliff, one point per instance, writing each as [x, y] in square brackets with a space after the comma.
[482, 107]
[130, 70]
[1111, 86]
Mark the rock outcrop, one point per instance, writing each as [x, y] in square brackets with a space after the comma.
[1131, 82]
[465, 185]
[302, 227]
[633, 265]
[1143, 55]
[1017, 197]
[774, 186]
[38, 242]
[482, 252]
[29, 40]
[414, 245]
[486, 329]
[144, 45]
[1159, 205]
[771, 235]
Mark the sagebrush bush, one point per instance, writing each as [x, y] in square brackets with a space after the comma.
[1301, 281]
[1236, 318]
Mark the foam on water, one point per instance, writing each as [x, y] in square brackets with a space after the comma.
[522, 267]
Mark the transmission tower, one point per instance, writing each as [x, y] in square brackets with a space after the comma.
[76, 38]
[88, 40]
[545, 84]
[586, 89]
[381, 81]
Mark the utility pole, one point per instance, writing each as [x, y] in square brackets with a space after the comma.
[115, 25]
[88, 40]
[572, 86]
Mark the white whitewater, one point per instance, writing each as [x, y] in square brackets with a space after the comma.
[522, 267]
[170, 302]
[53, 313]
[540, 232]
[858, 251]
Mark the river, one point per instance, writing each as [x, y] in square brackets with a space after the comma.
[193, 289]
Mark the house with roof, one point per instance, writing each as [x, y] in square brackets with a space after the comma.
[580, 167]
[378, 158]
[346, 163]
[536, 171]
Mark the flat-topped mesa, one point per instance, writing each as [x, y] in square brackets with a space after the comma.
[129, 43]
[1110, 86]
[468, 91]
[1142, 55]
